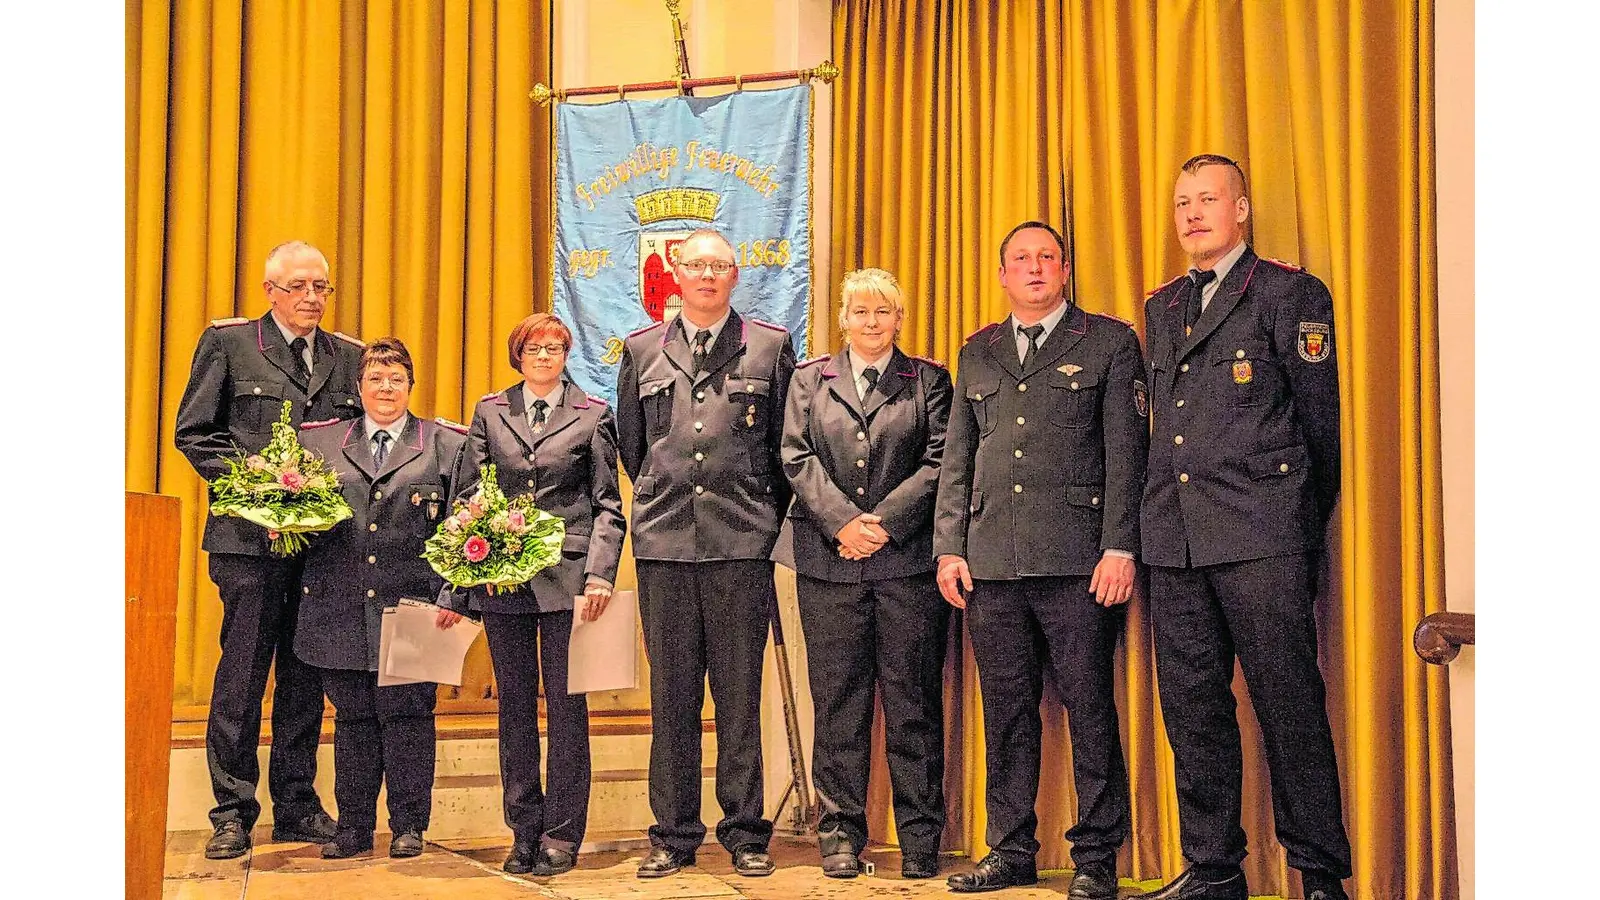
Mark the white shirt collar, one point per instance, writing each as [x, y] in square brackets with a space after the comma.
[552, 399]
[689, 328]
[1222, 268]
[858, 364]
[395, 428]
[289, 336]
[1049, 322]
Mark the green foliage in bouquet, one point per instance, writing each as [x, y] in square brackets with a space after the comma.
[285, 489]
[494, 541]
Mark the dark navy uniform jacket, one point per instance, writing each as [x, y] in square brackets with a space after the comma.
[1043, 468]
[242, 372]
[372, 559]
[844, 457]
[703, 450]
[1244, 462]
[570, 468]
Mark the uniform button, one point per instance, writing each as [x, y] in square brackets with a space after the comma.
[372, 593]
[861, 464]
[1283, 467]
[700, 395]
[308, 404]
[1183, 368]
[350, 402]
[1238, 354]
[1094, 501]
[977, 396]
[433, 496]
[1016, 489]
[377, 495]
[371, 560]
[1074, 385]
[256, 390]
[655, 388]
[699, 489]
[305, 590]
[530, 457]
[860, 491]
[1017, 453]
[1180, 404]
[373, 527]
[530, 482]
[1021, 420]
[749, 386]
[1022, 387]
[1178, 439]
[699, 457]
[861, 435]
[699, 426]
[1184, 477]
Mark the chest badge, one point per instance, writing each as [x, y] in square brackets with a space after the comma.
[433, 510]
[416, 499]
[750, 416]
[1069, 369]
[1242, 373]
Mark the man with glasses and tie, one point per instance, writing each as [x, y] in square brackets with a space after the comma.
[1244, 472]
[700, 402]
[1035, 529]
[243, 371]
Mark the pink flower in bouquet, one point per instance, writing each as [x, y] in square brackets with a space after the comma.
[475, 508]
[475, 549]
[452, 524]
[516, 520]
[292, 480]
[255, 463]
[464, 516]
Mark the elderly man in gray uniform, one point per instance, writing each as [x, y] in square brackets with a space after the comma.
[700, 404]
[243, 371]
[1037, 520]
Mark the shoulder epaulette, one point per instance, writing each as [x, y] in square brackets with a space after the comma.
[453, 426]
[1284, 265]
[304, 426]
[981, 331]
[930, 361]
[646, 328]
[1114, 318]
[349, 340]
[599, 400]
[489, 396]
[813, 361]
[769, 325]
[1163, 287]
[224, 323]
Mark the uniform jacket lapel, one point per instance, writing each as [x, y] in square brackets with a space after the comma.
[406, 449]
[1069, 331]
[1003, 347]
[515, 416]
[358, 450]
[1222, 303]
[324, 358]
[270, 339]
[729, 344]
[563, 414]
[898, 374]
[838, 375]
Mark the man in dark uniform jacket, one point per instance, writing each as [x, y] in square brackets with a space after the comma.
[1038, 519]
[699, 419]
[1244, 471]
[243, 371]
[397, 472]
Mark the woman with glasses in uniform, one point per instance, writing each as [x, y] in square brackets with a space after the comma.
[863, 437]
[548, 438]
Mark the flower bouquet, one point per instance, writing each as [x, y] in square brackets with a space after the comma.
[285, 489]
[494, 541]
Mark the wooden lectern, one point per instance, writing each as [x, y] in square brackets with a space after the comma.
[151, 622]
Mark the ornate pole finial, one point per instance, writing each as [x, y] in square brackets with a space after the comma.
[541, 94]
[827, 71]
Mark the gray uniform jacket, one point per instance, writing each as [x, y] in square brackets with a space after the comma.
[1244, 462]
[570, 468]
[372, 559]
[703, 450]
[1043, 469]
[845, 457]
[242, 373]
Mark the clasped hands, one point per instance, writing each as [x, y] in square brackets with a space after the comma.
[861, 537]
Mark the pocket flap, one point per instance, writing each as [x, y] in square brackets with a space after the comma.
[270, 390]
[1282, 461]
[1091, 496]
[654, 386]
[747, 384]
[1080, 381]
[1251, 350]
[427, 492]
[978, 391]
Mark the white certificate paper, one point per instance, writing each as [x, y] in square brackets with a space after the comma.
[412, 648]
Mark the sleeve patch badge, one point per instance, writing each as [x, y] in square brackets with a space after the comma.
[1315, 341]
[1141, 399]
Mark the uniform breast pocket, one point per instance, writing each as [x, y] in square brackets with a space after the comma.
[751, 399]
[256, 405]
[429, 499]
[345, 405]
[984, 401]
[1246, 372]
[655, 395]
[1077, 398]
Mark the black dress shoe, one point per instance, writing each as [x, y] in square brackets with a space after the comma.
[1194, 885]
[662, 861]
[752, 861]
[406, 844]
[1320, 885]
[841, 865]
[346, 844]
[993, 873]
[229, 840]
[919, 865]
[522, 859]
[553, 861]
[312, 829]
[1093, 882]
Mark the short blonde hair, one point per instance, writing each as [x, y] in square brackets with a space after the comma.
[278, 257]
[871, 283]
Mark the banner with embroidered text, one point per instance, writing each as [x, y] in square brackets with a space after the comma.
[635, 177]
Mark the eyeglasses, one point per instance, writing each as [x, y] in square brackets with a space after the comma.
[386, 381]
[320, 288]
[698, 266]
[547, 349]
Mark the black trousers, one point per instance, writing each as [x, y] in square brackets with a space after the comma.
[1018, 627]
[381, 734]
[1261, 611]
[557, 814]
[888, 635]
[260, 605]
[701, 619]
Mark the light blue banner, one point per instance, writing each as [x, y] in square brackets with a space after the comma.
[634, 177]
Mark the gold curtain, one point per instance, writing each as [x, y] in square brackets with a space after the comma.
[396, 136]
[953, 122]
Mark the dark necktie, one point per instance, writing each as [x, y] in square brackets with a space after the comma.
[1032, 332]
[297, 349]
[1191, 312]
[541, 410]
[870, 373]
[380, 449]
[700, 339]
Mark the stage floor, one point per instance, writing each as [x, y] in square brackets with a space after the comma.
[458, 868]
